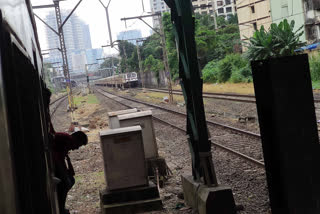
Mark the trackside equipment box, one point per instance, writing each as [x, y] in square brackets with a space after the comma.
[123, 156]
[143, 119]
[113, 119]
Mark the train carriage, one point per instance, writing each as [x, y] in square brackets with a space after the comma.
[126, 80]
[26, 178]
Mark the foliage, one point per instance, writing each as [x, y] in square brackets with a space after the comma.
[126, 50]
[151, 46]
[315, 67]
[152, 64]
[107, 63]
[280, 40]
[233, 68]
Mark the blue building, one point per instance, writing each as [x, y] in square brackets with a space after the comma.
[130, 34]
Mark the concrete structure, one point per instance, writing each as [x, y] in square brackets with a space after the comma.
[220, 7]
[123, 157]
[290, 10]
[143, 119]
[128, 189]
[252, 14]
[113, 117]
[129, 34]
[207, 200]
[312, 18]
[156, 7]
[304, 12]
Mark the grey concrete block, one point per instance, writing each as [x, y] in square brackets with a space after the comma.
[208, 200]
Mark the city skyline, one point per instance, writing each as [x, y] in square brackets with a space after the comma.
[77, 39]
[94, 15]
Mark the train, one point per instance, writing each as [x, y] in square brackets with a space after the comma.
[27, 182]
[60, 82]
[125, 80]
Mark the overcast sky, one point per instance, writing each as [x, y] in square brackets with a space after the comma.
[92, 12]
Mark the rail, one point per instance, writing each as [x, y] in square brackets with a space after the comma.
[113, 97]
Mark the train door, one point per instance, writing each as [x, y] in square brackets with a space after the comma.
[24, 174]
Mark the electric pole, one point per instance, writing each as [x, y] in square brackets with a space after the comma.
[109, 29]
[66, 72]
[165, 59]
[140, 62]
[62, 48]
[163, 45]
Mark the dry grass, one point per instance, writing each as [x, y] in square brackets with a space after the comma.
[157, 97]
[239, 88]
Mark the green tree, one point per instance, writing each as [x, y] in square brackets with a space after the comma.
[154, 65]
[107, 63]
[126, 50]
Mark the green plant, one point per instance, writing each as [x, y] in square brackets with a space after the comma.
[233, 67]
[210, 72]
[315, 67]
[280, 40]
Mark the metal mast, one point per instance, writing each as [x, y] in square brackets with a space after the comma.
[65, 65]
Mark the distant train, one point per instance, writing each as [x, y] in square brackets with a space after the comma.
[126, 80]
[60, 82]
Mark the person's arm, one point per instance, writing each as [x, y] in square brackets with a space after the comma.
[70, 167]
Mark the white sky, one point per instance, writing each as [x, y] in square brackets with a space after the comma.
[92, 12]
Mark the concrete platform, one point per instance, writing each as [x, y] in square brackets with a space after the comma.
[207, 200]
[133, 200]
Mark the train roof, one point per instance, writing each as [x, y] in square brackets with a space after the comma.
[18, 17]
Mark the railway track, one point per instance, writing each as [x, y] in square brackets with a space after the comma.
[219, 96]
[230, 147]
[54, 105]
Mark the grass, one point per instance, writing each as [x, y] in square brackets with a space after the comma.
[157, 97]
[239, 88]
[90, 99]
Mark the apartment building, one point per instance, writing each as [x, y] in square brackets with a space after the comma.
[220, 7]
[252, 14]
[156, 7]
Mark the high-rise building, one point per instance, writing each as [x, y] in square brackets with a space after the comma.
[220, 7]
[130, 34]
[252, 14]
[76, 35]
[158, 6]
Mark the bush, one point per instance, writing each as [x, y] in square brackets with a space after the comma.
[210, 72]
[315, 67]
[233, 67]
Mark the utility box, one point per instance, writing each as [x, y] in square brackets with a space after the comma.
[143, 119]
[113, 119]
[124, 159]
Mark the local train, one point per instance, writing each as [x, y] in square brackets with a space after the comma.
[26, 170]
[60, 82]
[125, 80]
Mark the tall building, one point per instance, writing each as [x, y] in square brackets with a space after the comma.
[76, 35]
[252, 14]
[158, 6]
[130, 34]
[220, 7]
